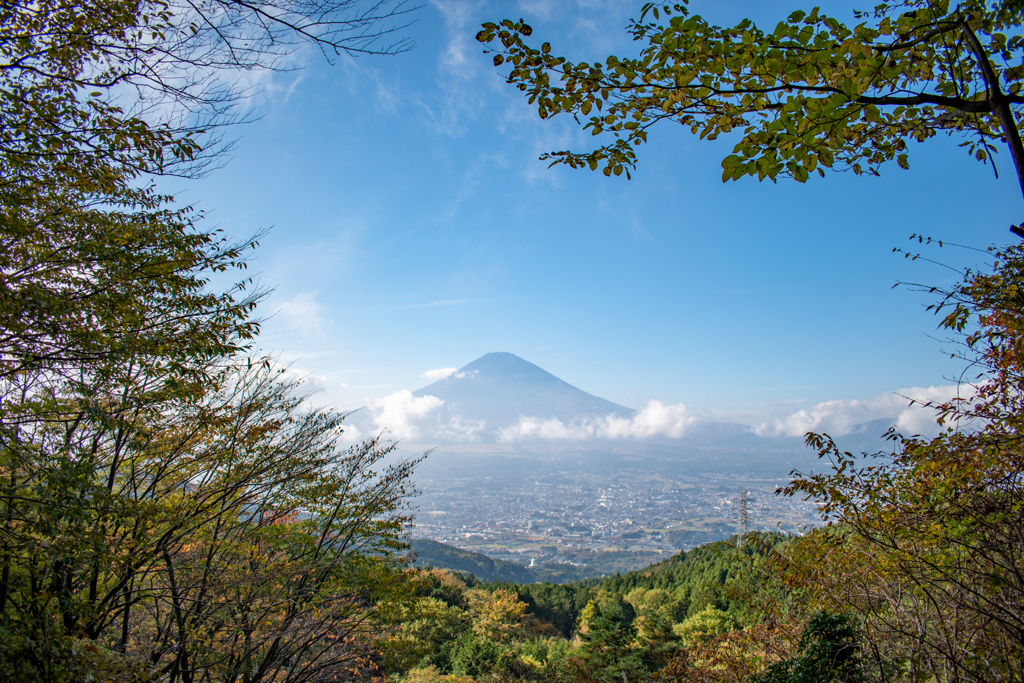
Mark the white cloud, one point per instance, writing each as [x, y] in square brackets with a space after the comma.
[457, 16]
[439, 373]
[399, 412]
[839, 417]
[304, 382]
[656, 419]
[542, 9]
[388, 95]
[310, 382]
[302, 312]
[458, 430]
[465, 75]
[535, 428]
[409, 417]
[350, 434]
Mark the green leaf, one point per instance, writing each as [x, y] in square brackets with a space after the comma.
[800, 94]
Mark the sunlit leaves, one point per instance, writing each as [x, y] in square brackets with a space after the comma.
[170, 509]
[926, 534]
[813, 93]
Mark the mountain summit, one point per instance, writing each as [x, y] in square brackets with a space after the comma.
[500, 388]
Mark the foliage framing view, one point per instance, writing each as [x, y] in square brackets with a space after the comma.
[171, 511]
[812, 94]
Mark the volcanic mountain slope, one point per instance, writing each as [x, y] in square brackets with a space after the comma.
[499, 388]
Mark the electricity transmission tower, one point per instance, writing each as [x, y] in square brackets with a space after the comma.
[744, 523]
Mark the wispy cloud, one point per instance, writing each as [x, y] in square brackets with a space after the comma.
[302, 313]
[458, 68]
[433, 304]
[458, 14]
[273, 86]
[388, 95]
[473, 177]
[542, 9]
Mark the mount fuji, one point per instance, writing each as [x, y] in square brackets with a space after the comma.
[501, 398]
[498, 389]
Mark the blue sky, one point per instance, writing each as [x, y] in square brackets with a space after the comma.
[413, 228]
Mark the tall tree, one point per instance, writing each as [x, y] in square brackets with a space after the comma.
[153, 482]
[608, 650]
[226, 537]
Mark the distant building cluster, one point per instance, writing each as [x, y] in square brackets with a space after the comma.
[576, 517]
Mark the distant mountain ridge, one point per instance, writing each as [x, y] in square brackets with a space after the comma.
[499, 388]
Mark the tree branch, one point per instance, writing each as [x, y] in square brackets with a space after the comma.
[999, 102]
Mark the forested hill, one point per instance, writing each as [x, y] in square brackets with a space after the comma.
[479, 629]
[709, 563]
[680, 587]
[433, 554]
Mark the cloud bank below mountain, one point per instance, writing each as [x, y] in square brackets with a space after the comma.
[656, 419]
[401, 411]
[408, 416]
[501, 398]
[908, 408]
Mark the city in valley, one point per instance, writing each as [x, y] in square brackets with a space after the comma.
[601, 516]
